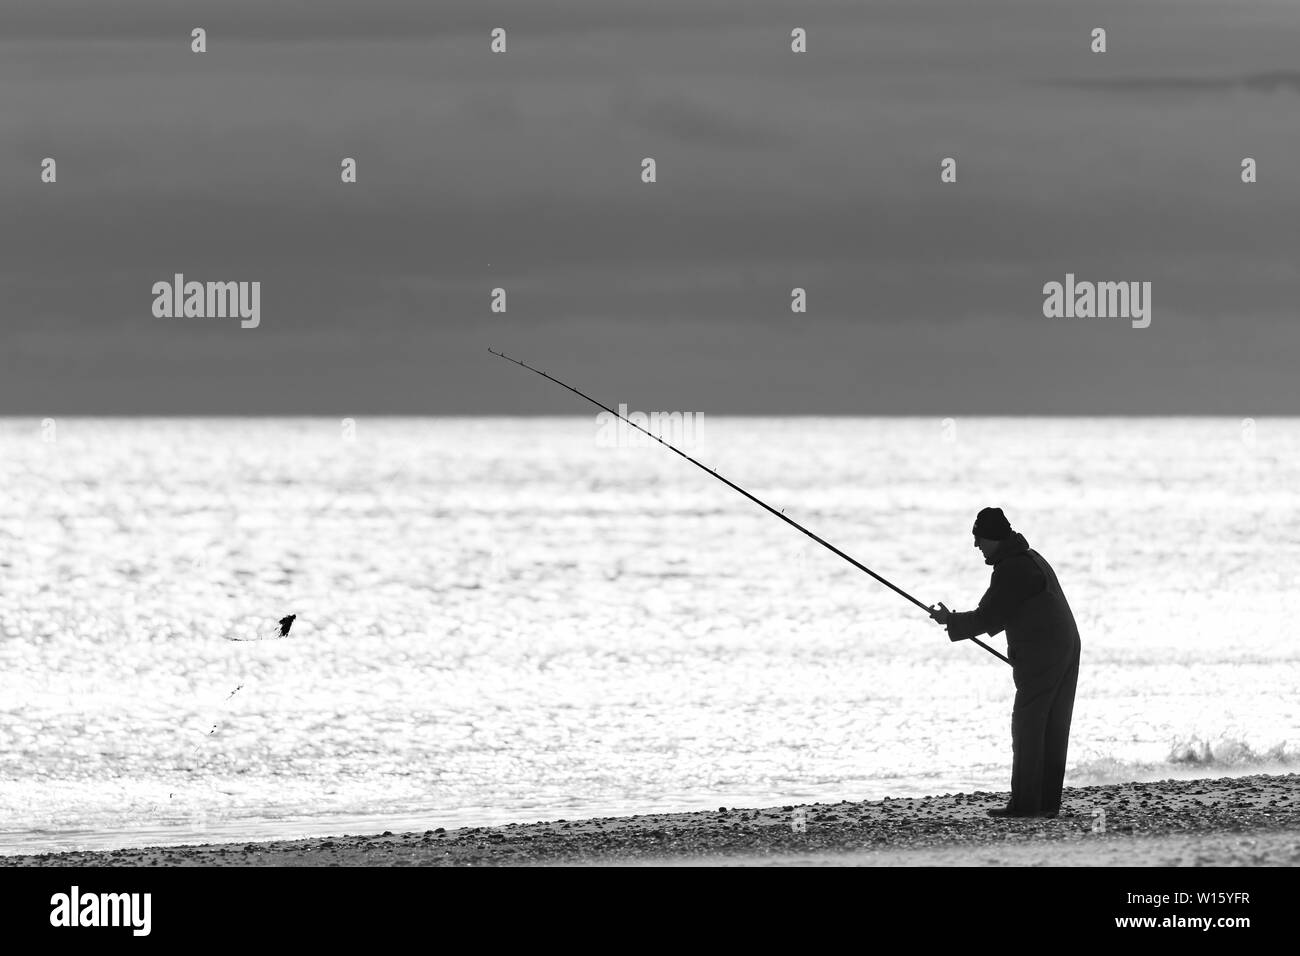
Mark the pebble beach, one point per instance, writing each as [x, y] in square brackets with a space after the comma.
[1231, 821]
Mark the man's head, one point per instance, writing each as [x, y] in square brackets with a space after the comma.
[990, 530]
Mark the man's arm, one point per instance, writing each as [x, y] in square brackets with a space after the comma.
[1011, 586]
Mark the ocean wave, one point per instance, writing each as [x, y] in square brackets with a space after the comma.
[1227, 752]
[1189, 757]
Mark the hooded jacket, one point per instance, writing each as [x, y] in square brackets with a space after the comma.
[1025, 600]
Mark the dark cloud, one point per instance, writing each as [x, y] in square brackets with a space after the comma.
[1280, 82]
[688, 122]
[775, 171]
[353, 20]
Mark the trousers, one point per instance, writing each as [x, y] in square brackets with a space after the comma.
[1040, 732]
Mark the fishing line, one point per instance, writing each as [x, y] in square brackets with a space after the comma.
[735, 487]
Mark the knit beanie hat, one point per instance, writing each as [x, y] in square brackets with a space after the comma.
[991, 523]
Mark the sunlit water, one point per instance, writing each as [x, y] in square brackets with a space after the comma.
[503, 620]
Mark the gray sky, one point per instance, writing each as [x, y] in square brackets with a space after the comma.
[775, 170]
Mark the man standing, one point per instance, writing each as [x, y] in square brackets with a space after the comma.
[1025, 599]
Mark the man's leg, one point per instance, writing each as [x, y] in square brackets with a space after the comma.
[1057, 736]
[1028, 739]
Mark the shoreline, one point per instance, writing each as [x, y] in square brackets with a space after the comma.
[1227, 821]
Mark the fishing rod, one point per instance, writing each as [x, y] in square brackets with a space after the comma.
[731, 484]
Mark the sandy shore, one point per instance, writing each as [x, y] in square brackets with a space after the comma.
[1248, 821]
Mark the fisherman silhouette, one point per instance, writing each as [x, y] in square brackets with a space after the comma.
[1025, 600]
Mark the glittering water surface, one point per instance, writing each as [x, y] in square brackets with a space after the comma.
[507, 620]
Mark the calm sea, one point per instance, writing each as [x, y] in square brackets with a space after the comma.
[507, 620]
